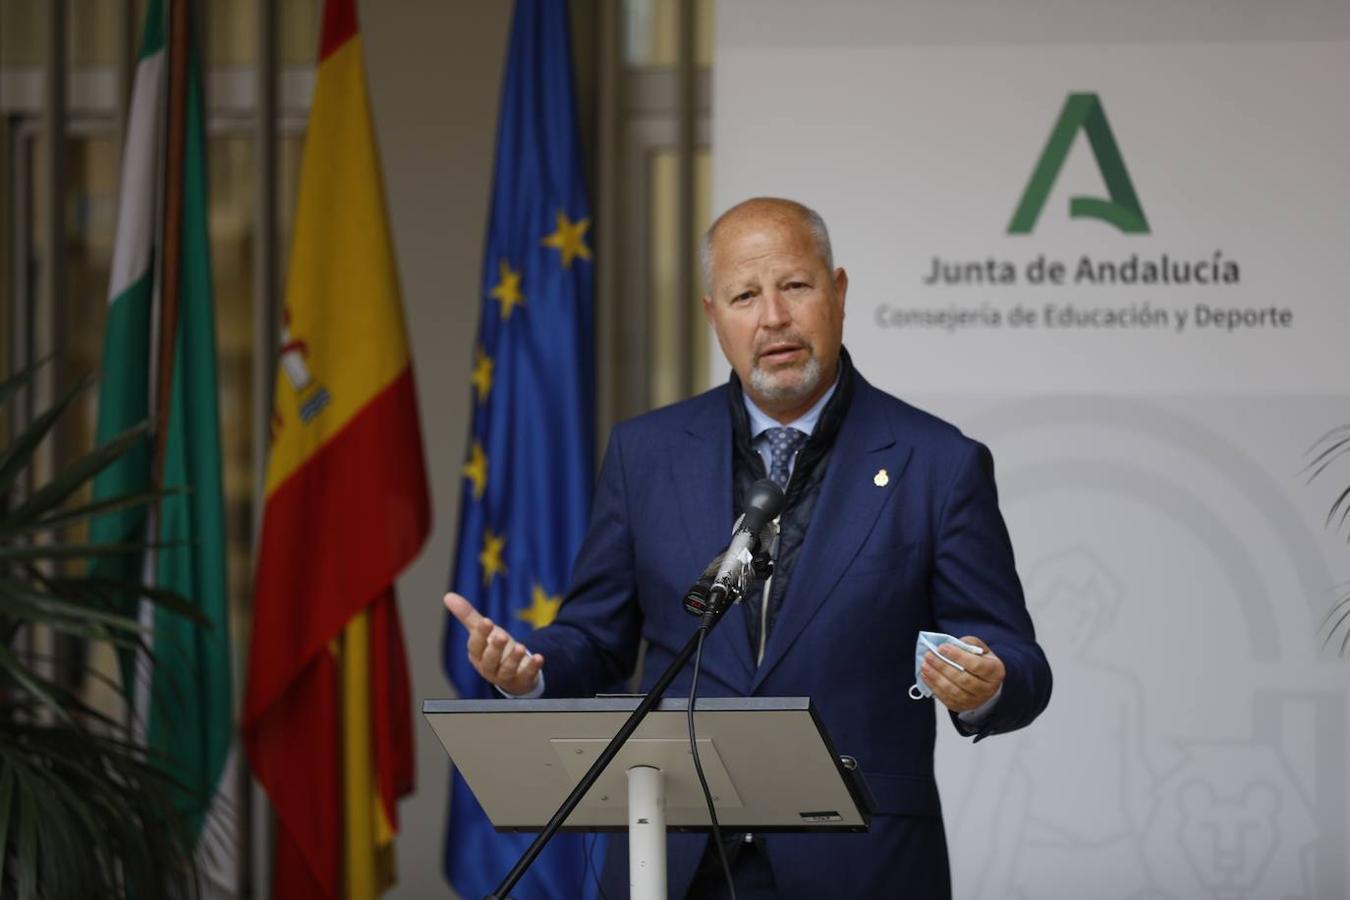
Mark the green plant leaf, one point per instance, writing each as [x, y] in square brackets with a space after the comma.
[37, 552]
[106, 597]
[170, 600]
[1331, 514]
[46, 694]
[1328, 456]
[85, 809]
[6, 804]
[72, 705]
[19, 454]
[84, 511]
[17, 380]
[71, 478]
[1339, 429]
[20, 601]
[137, 846]
[91, 631]
[11, 665]
[27, 851]
[1337, 617]
[57, 837]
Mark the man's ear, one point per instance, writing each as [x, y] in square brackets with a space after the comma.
[707, 309]
[841, 285]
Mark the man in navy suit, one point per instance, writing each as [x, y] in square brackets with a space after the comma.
[890, 526]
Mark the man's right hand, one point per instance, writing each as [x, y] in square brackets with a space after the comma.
[493, 653]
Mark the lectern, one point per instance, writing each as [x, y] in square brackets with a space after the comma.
[769, 764]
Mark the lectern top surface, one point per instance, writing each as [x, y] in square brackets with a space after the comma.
[769, 762]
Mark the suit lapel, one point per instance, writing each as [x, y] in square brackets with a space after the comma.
[845, 513]
[701, 463]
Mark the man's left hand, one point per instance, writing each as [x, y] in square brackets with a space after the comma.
[962, 691]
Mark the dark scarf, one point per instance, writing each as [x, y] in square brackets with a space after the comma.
[803, 488]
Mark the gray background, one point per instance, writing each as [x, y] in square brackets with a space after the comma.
[1174, 559]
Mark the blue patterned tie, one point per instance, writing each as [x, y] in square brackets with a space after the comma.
[783, 445]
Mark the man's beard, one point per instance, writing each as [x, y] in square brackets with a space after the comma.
[769, 386]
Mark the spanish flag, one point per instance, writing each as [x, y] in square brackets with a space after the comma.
[327, 715]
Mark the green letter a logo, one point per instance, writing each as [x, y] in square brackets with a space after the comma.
[1122, 210]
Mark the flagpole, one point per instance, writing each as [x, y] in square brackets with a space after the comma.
[259, 832]
[171, 268]
[138, 703]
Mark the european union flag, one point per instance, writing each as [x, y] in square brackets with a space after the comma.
[527, 477]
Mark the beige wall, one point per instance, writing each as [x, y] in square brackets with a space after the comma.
[435, 73]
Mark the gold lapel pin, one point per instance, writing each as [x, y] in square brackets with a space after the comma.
[881, 479]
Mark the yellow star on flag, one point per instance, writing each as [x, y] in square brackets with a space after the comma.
[507, 292]
[481, 379]
[476, 469]
[568, 239]
[491, 557]
[542, 609]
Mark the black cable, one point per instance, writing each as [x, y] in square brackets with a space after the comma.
[698, 765]
[631, 724]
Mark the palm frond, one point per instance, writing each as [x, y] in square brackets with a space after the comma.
[64, 607]
[7, 780]
[1337, 506]
[108, 589]
[1336, 628]
[1339, 429]
[75, 514]
[85, 809]
[76, 551]
[74, 476]
[15, 382]
[15, 458]
[68, 788]
[1333, 452]
[1326, 451]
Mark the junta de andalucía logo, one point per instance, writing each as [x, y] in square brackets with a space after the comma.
[1082, 111]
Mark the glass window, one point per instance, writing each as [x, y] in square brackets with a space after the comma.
[23, 32]
[660, 349]
[651, 35]
[74, 328]
[95, 28]
[298, 28]
[93, 160]
[229, 30]
[673, 316]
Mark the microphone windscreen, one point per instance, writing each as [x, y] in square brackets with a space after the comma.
[762, 505]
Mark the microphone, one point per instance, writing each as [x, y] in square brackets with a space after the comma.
[762, 505]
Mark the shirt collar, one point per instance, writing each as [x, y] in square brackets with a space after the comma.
[760, 421]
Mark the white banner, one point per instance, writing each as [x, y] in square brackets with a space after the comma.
[1118, 257]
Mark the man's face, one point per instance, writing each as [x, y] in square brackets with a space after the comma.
[777, 310]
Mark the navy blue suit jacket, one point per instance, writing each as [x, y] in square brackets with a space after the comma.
[928, 550]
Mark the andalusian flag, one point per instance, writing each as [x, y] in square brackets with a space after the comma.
[180, 693]
[327, 717]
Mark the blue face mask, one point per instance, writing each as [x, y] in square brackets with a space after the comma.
[932, 640]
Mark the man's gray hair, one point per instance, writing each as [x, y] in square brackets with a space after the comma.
[814, 224]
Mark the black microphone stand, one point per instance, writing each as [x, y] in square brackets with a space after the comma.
[707, 621]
